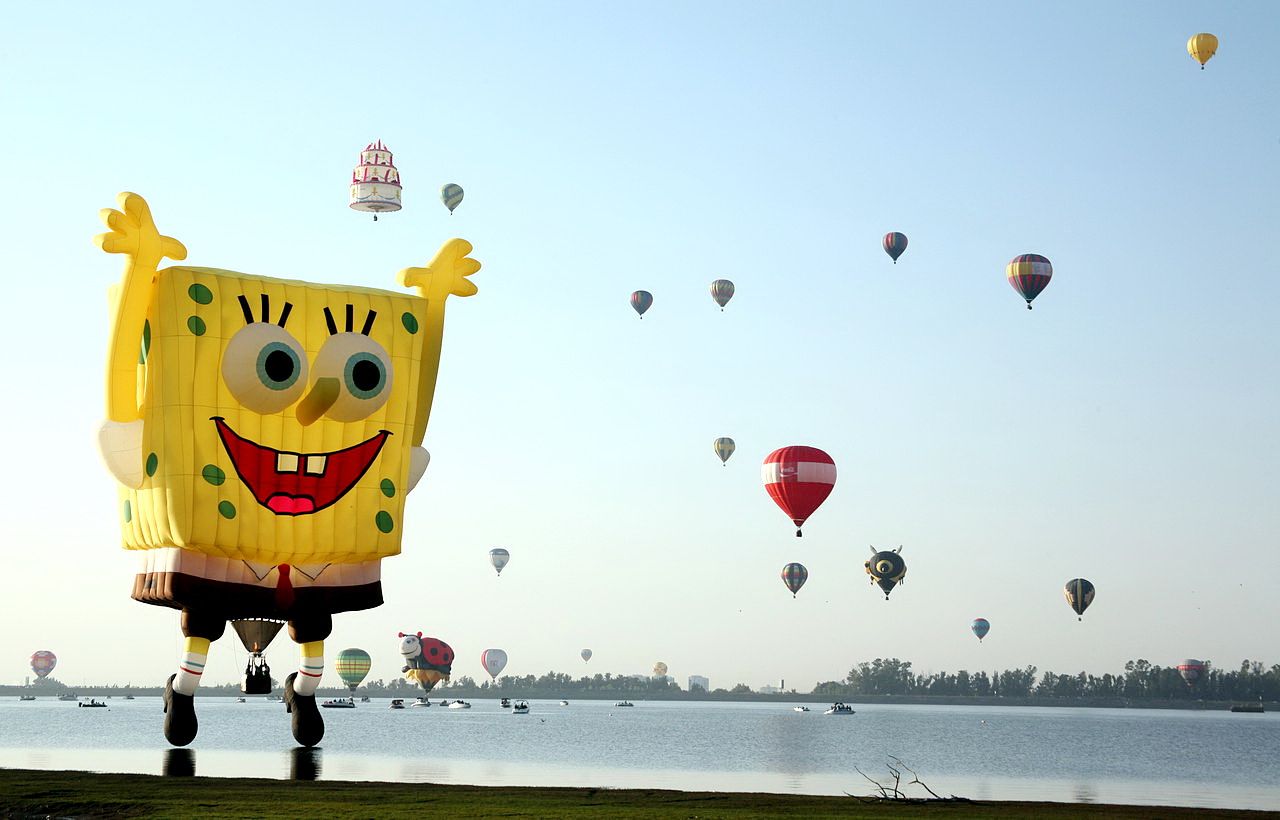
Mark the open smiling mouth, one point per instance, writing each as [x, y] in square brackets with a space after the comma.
[297, 483]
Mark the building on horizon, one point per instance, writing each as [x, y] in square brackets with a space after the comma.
[699, 680]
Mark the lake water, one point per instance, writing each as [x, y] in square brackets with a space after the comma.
[1134, 756]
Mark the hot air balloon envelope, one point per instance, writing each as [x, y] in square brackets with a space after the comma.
[1079, 594]
[886, 568]
[980, 627]
[586, 654]
[724, 448]
[794, 575]
[1191, 670]
[894, 244]
[42, 663]
[722, 292]
[256, 633]
[352, 665]
[451, 196]
[375, 183]
[640, 301]
[659, 669]
[426, 660]
[1201, 47]
[493, 661]
[499, 558]
[798, 479]
[1029, 274]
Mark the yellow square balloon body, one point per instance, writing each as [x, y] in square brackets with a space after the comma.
[195, 496]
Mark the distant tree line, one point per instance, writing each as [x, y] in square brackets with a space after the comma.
[1141, 679]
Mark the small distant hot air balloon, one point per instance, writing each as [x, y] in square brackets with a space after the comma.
[724, 448]
[1079, 594]
[586, 655]
[256, 635]
[794, 575]
[499, 558]
[493, 661]
[659, 670]
[1191, 671]
[451, 196]
[722, 292]
[798, 479]
[1029, 274]
[352, 665]
[894, 244]
[886, 568]
[42, 663]
[641, 300]
[980, 627]
[426, 660]
[1201, 47]
[375, 183]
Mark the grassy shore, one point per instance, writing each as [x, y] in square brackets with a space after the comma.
[43, 794]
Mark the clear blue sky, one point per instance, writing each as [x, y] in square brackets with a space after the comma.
[1123, 431]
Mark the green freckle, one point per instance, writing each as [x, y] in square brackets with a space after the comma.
[152, 463]
[213, 474]
[200, 294]
[227, 509]
[128, 512]
[410, 322]
[383, 520]
[196, 325]
[388, 488]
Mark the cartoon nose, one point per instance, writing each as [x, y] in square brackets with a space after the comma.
[319, 398]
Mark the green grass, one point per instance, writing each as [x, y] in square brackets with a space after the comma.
[42, 794]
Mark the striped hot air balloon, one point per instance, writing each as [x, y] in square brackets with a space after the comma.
[798, 479]
[352, 666]
[493, 661]
[1191, 671]
[586, 655]
[724, 448]
[499, 558]
[640, 300]
[894, 244]
[794, 575]
[1079, 594]
[42, 662]
[1029, 274]
[1201, 47]
[980, 627]
[722, 292]
[451, 196]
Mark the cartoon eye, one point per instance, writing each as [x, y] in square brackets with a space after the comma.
[363, 369]
[265, 367]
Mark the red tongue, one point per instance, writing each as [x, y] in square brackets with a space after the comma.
[289, 505]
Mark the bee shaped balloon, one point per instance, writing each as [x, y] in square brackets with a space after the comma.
[886, 568]
[264, 434]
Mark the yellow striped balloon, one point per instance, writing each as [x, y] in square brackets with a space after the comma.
[451, 196]
[1201, 47]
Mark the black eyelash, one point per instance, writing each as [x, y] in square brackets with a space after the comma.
[350, 321]
[266, 310]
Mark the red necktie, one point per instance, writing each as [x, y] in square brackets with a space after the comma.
[284, 588]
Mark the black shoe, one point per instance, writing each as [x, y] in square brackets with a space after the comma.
[179, 715]
[308, 726]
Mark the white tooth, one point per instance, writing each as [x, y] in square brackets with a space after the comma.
[286, 462]
[315, 465]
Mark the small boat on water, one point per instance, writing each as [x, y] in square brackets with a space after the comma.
[564, 703]
[520, 707]
[396, 703]
[839, 709]
[505, 703]
[239, 700]
[276, 698]
[364, 699]
[93, 704]
[459, 704]
[421, 702]
[128, 697]
[339, 703]
[1247, 707]
[26, 697]
[800, 708]
[624, 703]
[69, 696]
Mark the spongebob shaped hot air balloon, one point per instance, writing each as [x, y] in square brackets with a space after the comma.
[264, 434]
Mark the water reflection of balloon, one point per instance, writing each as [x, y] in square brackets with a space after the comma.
[886, 568]
[499, 558]
[1079, 594]
[640, 301]
[798, 479]
[722, 292]
[794, 575]
[1201, 47]
[352, 665]
[724, 448]
[1029, 274]
[42, 663]
[586, 655]
[894, 244]
[493, 661]
[980, 627]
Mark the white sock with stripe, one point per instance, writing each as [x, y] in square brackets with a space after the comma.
[309, 671]
[189, 671]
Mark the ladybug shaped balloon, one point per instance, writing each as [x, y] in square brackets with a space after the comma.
[427, 660]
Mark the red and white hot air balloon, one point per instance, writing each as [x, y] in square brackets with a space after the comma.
[799, 479]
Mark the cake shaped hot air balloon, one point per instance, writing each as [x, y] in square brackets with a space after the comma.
[375, 183]
[798, 479]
